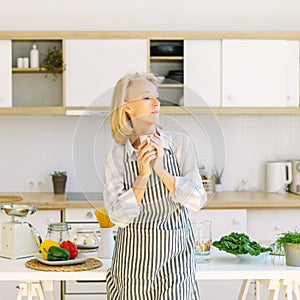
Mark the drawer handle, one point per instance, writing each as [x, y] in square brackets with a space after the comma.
[50, 220]
[277, 227]
[236, 221]
[89, 215]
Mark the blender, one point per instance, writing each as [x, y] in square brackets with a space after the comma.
[19, 239]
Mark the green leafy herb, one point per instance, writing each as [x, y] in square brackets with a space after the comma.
[239, 243]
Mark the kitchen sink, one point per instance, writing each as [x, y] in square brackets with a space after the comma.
[80, 196]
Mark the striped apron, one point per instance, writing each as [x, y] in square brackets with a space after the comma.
[154, 256]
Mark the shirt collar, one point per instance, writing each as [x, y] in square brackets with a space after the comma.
[131, 152]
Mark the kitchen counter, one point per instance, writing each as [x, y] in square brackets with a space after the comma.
[271, 272]
[222, 266]
[224, 200]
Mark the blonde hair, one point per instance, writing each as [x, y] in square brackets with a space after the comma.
[121, 126]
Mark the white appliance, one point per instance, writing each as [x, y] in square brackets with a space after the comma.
[19, 239]
[295, 185]
[278, 176]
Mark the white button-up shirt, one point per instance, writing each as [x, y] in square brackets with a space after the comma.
[122, 205]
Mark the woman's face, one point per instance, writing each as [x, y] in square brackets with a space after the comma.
[142, 101]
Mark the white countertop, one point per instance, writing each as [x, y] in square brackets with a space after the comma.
[222, 266]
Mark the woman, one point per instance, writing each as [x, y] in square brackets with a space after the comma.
[150, 186]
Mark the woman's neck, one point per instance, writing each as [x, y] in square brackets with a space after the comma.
[139, 131]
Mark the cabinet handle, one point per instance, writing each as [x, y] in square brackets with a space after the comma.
[230, 97]
[236, 221]
[288, 97]
[277, 227]
[89, 214]
[50, 220]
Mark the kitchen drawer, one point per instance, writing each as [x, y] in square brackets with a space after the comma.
[224, 221]
[85, 287]
[265, 224]
[80, 215]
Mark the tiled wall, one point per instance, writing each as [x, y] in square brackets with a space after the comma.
[34, 146]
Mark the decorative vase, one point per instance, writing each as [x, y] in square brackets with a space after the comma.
[218, 188]
[292, 254]
[59, 184]
[107, 243]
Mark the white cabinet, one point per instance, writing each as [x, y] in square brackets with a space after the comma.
[40, 221]
[5, 74]
[260, 73]
[265, 224]
[202, 73]
[224, 221]
[94, 66]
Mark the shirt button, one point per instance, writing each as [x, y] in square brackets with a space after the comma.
[179, 192]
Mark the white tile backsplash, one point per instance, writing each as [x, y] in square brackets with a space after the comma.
[34, 146]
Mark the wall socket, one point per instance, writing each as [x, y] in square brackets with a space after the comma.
[35, 185]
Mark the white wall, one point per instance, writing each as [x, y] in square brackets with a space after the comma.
[273, 15]
[34, 146]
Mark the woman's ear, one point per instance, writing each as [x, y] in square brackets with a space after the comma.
[127, 109]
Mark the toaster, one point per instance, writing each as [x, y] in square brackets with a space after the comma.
[295, 185]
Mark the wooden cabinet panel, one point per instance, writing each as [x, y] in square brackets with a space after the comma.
[94, 66]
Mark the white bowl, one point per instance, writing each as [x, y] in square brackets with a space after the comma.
[251, 258]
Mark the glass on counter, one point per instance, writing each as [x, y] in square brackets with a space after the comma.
[203, 241]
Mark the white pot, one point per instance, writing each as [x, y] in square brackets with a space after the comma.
[218, 188]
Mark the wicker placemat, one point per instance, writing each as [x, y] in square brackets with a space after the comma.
[89, 264]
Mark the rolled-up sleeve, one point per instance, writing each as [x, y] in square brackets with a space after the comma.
[189, 190]
[120, 204]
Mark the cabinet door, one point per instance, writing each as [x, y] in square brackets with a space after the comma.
[94, 66]
[260, 73]
[202, 73]
[5, 74]
[265, 224]
[224, 221]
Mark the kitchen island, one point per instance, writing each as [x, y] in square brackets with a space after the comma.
[271, 271]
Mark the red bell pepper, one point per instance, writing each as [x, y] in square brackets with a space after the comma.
[71, 247]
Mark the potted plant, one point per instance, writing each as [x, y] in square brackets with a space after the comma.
[217, 178]
[53, 62]
[288, 243]
[59, 179]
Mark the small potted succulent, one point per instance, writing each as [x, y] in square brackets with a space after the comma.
[288, 243]
[53, 62]
[217, 178]
[59, 179]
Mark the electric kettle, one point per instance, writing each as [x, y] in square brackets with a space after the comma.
[278, 176]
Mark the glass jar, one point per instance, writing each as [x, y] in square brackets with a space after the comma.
[86, 238]
[59, 232]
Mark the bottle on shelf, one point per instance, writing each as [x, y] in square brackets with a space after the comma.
[34, 57]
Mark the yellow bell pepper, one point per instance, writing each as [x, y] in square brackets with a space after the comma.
[45, 245]
[103, 218]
